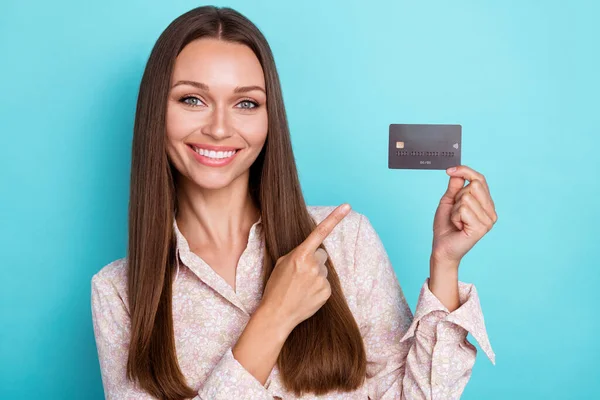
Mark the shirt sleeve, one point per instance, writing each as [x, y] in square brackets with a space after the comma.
[423, 357]
[111, 321]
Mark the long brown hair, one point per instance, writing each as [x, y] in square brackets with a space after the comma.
[324, 352]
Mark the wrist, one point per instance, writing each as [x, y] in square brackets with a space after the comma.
[443, 283]
[442, 273]
[443, 266]
[276, 326]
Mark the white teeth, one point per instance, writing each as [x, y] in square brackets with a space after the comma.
[214, 154]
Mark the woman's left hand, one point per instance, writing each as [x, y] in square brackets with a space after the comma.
[463, 217]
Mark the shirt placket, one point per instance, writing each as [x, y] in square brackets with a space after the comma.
[248, 277]
[248, 282]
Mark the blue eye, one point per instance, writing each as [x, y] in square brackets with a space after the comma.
[248, 104]
[195, 102]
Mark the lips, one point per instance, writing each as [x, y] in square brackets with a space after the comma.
[213, 156]
[213, 148]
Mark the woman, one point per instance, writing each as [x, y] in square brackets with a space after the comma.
[233, 287]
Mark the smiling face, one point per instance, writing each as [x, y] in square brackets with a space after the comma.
[216, 112]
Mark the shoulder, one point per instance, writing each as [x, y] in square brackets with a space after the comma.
[115, 271]
[111, 280]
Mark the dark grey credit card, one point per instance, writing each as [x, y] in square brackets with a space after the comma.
[424, 146]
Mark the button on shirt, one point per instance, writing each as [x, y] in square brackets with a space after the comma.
[425, 356]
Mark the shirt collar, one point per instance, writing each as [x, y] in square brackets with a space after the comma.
[204, 271]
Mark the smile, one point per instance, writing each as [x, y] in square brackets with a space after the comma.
[216, 155]
[213, 158]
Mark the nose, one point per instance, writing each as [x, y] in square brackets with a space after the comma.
[217, 125]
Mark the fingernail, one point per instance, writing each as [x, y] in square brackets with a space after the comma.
[346, 207]
[451, 169]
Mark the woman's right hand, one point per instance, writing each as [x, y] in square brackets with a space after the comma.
[296, 289]
[298, 285]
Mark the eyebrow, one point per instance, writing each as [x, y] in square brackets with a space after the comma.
[203, 86]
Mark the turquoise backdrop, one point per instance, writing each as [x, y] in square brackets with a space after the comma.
[522, 77]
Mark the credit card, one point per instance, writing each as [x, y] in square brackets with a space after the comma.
[424, 146]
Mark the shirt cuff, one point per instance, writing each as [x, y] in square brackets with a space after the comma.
[230, 380]
[435, 320]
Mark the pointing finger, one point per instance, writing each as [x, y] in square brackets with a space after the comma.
[317, 236]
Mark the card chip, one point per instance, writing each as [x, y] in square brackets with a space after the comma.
[399, 145]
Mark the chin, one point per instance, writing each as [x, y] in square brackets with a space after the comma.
[212, 180]
[212, 184]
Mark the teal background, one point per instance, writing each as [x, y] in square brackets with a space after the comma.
[520, 76]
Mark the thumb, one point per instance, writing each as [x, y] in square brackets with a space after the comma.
[455, 184]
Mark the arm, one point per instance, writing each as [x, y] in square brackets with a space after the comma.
[443, 283]
[258, 347]
[228, 379]
[422, 357]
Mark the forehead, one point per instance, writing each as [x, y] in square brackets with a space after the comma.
[218, 63]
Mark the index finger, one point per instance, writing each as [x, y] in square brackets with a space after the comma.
[318, 235]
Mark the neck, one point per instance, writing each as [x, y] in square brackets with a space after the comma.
[217, 218]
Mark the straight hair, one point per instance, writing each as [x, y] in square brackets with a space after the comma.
[323, 353]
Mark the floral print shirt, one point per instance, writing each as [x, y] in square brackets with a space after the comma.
[421, 356]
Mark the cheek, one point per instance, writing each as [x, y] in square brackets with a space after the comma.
[254, 130]
[178, 124]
